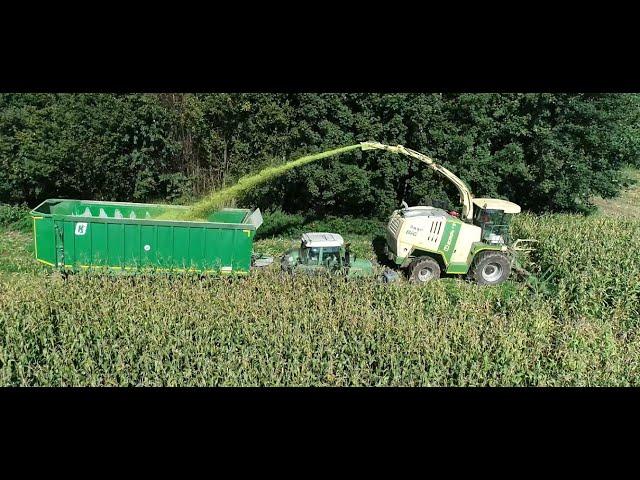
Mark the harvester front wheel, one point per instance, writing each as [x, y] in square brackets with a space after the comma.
[423, 270]
[490, 268]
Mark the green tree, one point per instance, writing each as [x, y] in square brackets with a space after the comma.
[544, 151]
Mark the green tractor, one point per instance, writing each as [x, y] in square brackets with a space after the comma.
[321, 252]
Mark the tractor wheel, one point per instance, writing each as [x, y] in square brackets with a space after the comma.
[424, 269]
[490, 268]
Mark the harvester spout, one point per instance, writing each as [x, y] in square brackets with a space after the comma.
[463, 189]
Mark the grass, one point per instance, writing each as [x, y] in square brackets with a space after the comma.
[16, 252]
[271, 329]
[627, 204]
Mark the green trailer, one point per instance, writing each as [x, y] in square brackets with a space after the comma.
[80, 234]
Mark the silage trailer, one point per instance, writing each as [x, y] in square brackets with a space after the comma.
[81, 234]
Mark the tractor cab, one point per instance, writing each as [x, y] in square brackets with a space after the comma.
[325, 252]
[493, 216]
[323, 249]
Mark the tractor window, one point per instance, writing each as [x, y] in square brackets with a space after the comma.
[313, 255]
[331, 254]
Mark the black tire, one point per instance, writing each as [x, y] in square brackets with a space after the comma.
[490, 268]
[423, 270]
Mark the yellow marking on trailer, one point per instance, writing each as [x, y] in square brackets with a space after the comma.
[152, 269]
[45, 262]
[248, 232]
[35, 242]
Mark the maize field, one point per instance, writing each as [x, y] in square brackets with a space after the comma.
[577, 324]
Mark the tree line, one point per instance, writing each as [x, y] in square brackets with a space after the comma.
[544, 151]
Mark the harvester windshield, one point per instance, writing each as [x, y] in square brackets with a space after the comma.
[493, 216]
[494, 225]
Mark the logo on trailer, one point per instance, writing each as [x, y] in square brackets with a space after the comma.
[81, 228]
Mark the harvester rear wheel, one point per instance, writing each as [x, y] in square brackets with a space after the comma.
[490, 268]
[423, 270]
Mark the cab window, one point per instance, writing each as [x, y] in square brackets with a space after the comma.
[490, 217]
[494, 224]
[331, 254]
[313, 255]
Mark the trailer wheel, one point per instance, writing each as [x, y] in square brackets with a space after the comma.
[423, 270]
[490, 268]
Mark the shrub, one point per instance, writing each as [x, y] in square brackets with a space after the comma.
[277, 222]
[15, 217]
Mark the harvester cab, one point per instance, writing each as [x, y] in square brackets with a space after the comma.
[324, 252]
[493, 216]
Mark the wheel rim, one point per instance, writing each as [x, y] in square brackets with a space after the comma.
[425, 274]
[492, 272]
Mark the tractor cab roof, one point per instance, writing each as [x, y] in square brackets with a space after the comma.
[322, 239]
[496, 204]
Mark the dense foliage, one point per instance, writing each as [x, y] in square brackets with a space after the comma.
[545, 151]
[269, 329]
[16, 217]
